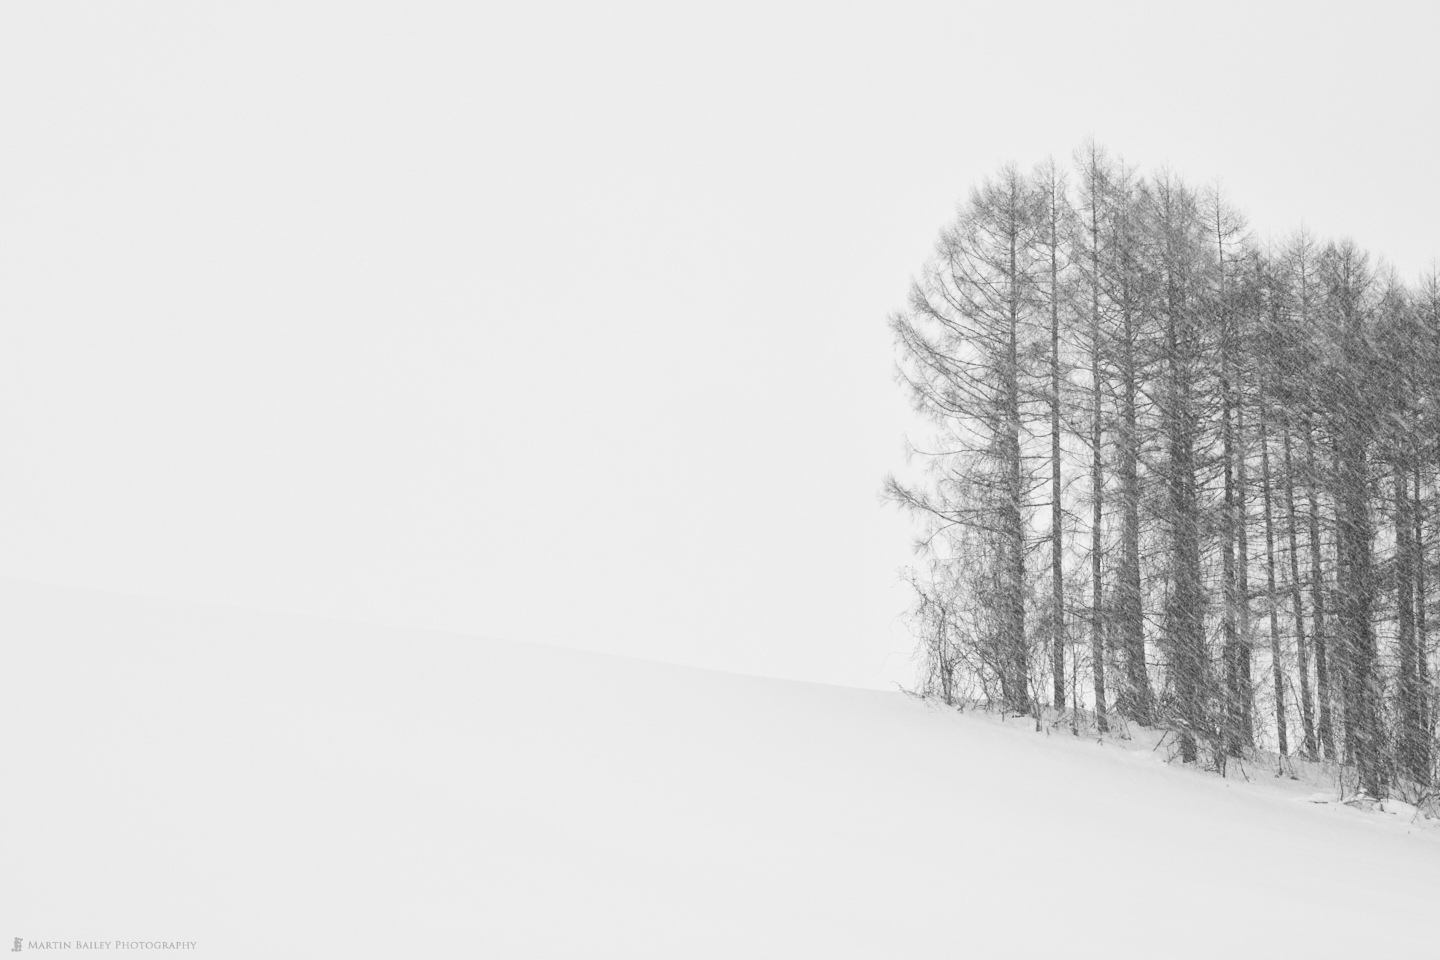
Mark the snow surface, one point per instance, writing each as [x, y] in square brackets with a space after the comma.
[281, 787]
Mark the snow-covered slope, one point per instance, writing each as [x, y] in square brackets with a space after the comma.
[278, 787]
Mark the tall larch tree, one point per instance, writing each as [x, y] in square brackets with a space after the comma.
[965, 345]
[1180, 251]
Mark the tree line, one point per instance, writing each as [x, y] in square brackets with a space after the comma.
[1175, 473]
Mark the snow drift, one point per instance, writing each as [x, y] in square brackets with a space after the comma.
[273, 786]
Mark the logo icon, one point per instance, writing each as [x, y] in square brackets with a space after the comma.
[18, 944]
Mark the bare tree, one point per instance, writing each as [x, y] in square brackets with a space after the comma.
[1262, 407]
[1226, 233]
[1130, 285]
[1397, 336]
[965, 344]
[1350, 410]
[1093, 227]
[1178, 232]
[1053, 216]
[1300, 259]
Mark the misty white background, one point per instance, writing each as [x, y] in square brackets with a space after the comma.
[566, 322]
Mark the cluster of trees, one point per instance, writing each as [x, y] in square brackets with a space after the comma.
[1175, 472]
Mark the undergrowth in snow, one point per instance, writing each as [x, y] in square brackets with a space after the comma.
[1293, 776]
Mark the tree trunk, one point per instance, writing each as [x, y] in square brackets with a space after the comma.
[1277, 665]
[1137, 700]
[1015, 687]
[1422, 640]
[1184, 613]
[1130, 617]
[1355, 588]
[1317, 599]
[1057, 535]
[1097, 473]
[1230, 651]
[1412, 748]
[1307, 710]
[1244, 655]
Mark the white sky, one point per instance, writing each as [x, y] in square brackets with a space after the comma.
[567, 322]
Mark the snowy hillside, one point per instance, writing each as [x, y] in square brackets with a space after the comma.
[279, 787]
